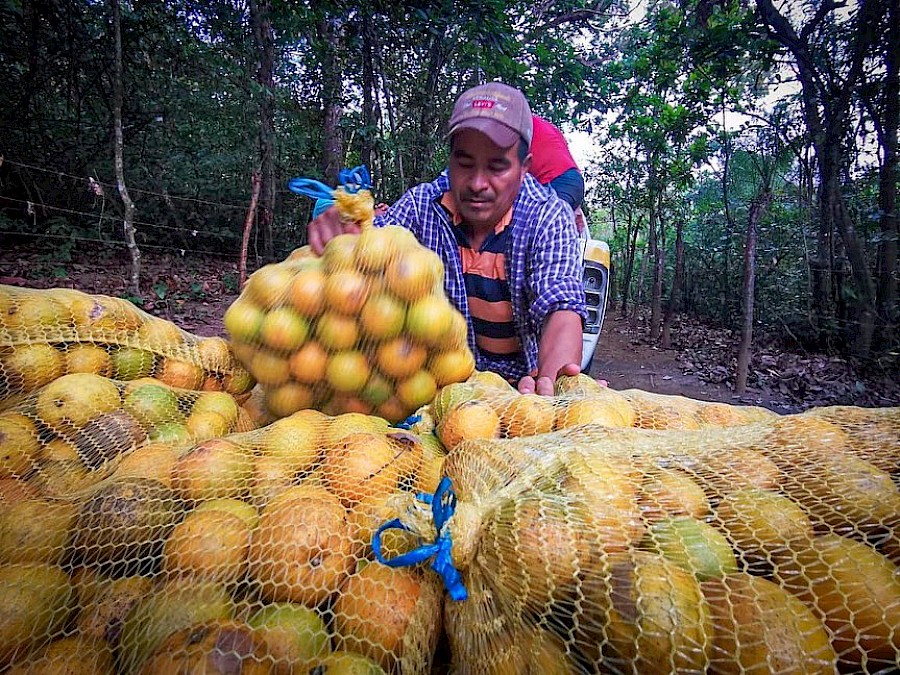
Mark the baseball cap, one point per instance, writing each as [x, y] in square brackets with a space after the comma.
[495, 109]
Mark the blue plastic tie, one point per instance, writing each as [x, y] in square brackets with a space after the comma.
[443, 504]
[353, 180]
[408, 423]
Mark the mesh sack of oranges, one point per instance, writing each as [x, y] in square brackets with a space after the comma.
[45, 334]
[244, 552]
[766, 547]
[486, 406]
[365, 328]
[82, 428]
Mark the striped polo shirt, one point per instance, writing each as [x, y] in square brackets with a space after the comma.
[487, 289]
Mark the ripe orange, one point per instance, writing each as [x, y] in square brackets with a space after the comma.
[269, 369]
[301, 551]
[339, 253]
[336, 331]
[527, 415]
[307, 294]
[31, 366]
[209, 545]
[400, 357]
[365, 464]
[20, 446]
[268, 285]
[471, 419]
[214, 468]
[283, 329]
[180, 374]
[72, 400]
[378, 607]
[347, 371]
[414, 274]
[307, 364]
[34, 312]
[345, 291]
[159, 335]
[288, 398]
[374, 249]
[429, 319]
[382, 316]
[88, 358]
[243, 319]
[204, 425]
[452, 366]
[417, 390]
[215, 354]
[393, 410]
[238, 382]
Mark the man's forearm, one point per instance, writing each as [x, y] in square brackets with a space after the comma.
[560, 344]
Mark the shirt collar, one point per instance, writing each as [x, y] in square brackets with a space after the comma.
[449, 202]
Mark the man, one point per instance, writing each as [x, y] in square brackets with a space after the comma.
[509, 247]
[552, 163]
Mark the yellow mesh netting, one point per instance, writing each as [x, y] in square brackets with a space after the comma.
[45, 334]
[146, 528]
[365, 328]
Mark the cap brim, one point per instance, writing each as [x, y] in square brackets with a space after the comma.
[501, 135]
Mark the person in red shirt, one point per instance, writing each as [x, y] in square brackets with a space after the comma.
[552, 164]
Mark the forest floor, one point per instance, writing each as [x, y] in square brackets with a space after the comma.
[194, 293]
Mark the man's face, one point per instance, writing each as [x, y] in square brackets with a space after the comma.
[484, 178]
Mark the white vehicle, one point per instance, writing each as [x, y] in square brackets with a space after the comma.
[596, 283]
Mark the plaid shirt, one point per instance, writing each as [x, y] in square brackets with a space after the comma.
[543, 262]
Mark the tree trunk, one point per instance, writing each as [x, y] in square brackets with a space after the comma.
[886, 298]
[631, 253]
[248, 227]
[827, 97]
[260, 11]
[757, 209]
[674, 304]
[332, 104]
[369, 95]
[118, 151]
[658, 260]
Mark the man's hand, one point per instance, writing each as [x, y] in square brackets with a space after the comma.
[531, 384]
[326, 227]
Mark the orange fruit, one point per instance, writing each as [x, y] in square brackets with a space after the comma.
[129, 363]
[345, 291]
[180, 374]
[365, 464]
[374, 249]
[31, 366]
[382, 316]
[70, 401]
[215, 354]
[301, 551]
[243, 319]
[159, 335]
[452, 366]
[339, 252]
[414, 274]
[88, 358]
[239, 381]
[417, 390]
[347, 371]
[34, 312]
[377, 609]
[268, 285]
[204, 425]
[307, 364]
[269, 369]
[215, 468]
[377, 389]
[400, 357]
[211, 545]
[283, 329]
[527, 415]
[288, 398]
[336, 331]
[393, 410]
[307, 294]
[471, 419]
[429, 319]
[152, 460]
